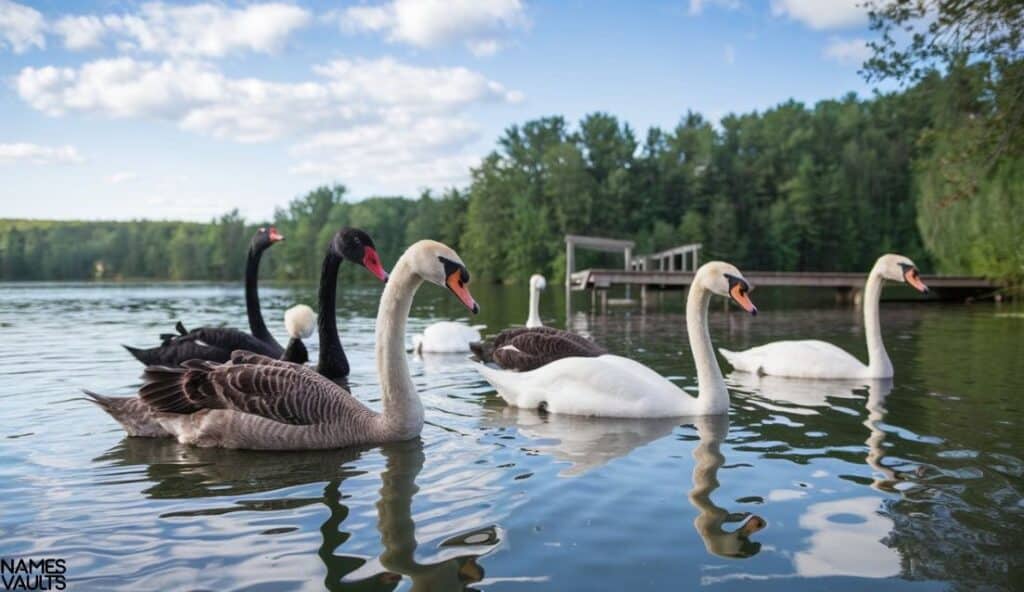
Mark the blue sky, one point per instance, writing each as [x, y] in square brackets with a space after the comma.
[114, 109]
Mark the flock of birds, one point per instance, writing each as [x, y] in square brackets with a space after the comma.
[222, 387]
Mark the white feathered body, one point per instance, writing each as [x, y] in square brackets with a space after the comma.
[809, 358]
[605, 386]
[446, 337]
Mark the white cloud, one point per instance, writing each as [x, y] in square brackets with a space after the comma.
[847, 51]
[479, 24]
[698, 6]
[379, 121]
[80, 32]
[822, 14]
[122, 177]
[199, 30]
[35, 154]
[21, 27]
[729, 54]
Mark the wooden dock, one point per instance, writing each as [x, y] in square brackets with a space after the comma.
[944, 286]
[674, 269]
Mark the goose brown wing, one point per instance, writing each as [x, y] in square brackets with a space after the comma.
[528, 349]
[279, 391]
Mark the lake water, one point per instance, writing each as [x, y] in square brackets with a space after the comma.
[914, 484]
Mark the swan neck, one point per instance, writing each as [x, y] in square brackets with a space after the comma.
[402, 414]
[394, 509]
[331, 361]
[713, 396]
[534, 319]
[879, 365]
[252, 296]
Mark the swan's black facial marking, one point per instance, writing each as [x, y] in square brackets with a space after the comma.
[734, 281]
[456, 278]
[912, 276]
[739, 291]
[451, 267]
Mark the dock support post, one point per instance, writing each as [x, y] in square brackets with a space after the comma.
[570, 266]
[629, 258]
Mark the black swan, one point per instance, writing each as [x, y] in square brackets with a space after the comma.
[216, 343]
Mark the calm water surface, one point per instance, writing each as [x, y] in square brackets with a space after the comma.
[914, 484]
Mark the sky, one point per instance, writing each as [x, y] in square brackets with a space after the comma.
[111, 109]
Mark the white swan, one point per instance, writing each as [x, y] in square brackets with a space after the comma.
[820, 359]
[446, 337]
[613, 386]
[537, 283]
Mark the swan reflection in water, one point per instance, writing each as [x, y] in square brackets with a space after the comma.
[180, 471]
[711, 519]
[847, 535]
[587, 443]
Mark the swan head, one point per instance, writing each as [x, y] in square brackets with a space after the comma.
[897, 268]
[725, 280]
[439, 264]
[537, 282]
[300, 321]
[265, 237]
[356, 246]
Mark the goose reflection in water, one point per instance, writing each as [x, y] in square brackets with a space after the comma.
[180, 471]
[587, 443]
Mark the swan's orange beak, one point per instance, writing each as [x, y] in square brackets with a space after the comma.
[458, 287]
[371, 261]
[913, 277]
[274, 235]
[739, 293]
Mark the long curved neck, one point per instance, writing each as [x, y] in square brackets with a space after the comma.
[252, 297]
[402, 415]
[712, 396]
[879, 365]
[534, 319]
[332, 362]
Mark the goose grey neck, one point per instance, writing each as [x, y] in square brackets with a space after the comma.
[879, 364]
[402, 415]
[713, 397]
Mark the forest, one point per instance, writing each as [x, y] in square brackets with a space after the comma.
[828, 186]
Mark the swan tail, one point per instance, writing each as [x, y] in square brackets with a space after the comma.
[164, 388]
[131, 412]
[146, 356]
[741, 363]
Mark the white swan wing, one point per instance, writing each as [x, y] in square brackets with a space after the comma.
[799, 359]
[605, 386]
